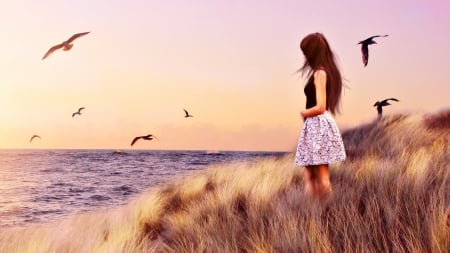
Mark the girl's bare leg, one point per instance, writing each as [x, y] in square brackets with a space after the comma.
[323, 179]
[317, 180]
[308, 184]
[311, 186]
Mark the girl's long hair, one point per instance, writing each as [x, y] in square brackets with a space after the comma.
[318, 55]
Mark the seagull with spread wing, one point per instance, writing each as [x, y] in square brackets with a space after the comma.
[187, 115]
[365, 47]
[78, 112]
[65, 45]
[147, 137]
[381, 103]
[34, 136]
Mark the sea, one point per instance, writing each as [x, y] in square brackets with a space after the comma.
[40, 186]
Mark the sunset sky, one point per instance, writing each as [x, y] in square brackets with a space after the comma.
[231, 63]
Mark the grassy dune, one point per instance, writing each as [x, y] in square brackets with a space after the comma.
[391, 195]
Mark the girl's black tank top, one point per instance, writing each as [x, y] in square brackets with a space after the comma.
[310, 92]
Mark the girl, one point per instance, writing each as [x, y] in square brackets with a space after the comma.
[320, 142]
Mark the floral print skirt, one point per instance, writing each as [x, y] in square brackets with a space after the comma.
[320, 142]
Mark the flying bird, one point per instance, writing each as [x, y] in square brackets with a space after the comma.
[65, 45]
[78, 112]
[34, 136]
[187, 114]
[380, 104]
[147, 137]
[365, 47]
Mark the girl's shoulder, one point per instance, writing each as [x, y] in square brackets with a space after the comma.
[319, 72]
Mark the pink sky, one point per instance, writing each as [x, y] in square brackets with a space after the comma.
[230, 63]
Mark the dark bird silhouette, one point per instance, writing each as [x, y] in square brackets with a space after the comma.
[78, 112]
[187, 115]
[34, 136]
[380, 104]
[65, 45]
[365, 47]
[147, 137]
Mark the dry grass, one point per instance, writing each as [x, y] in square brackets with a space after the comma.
[390, 195]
